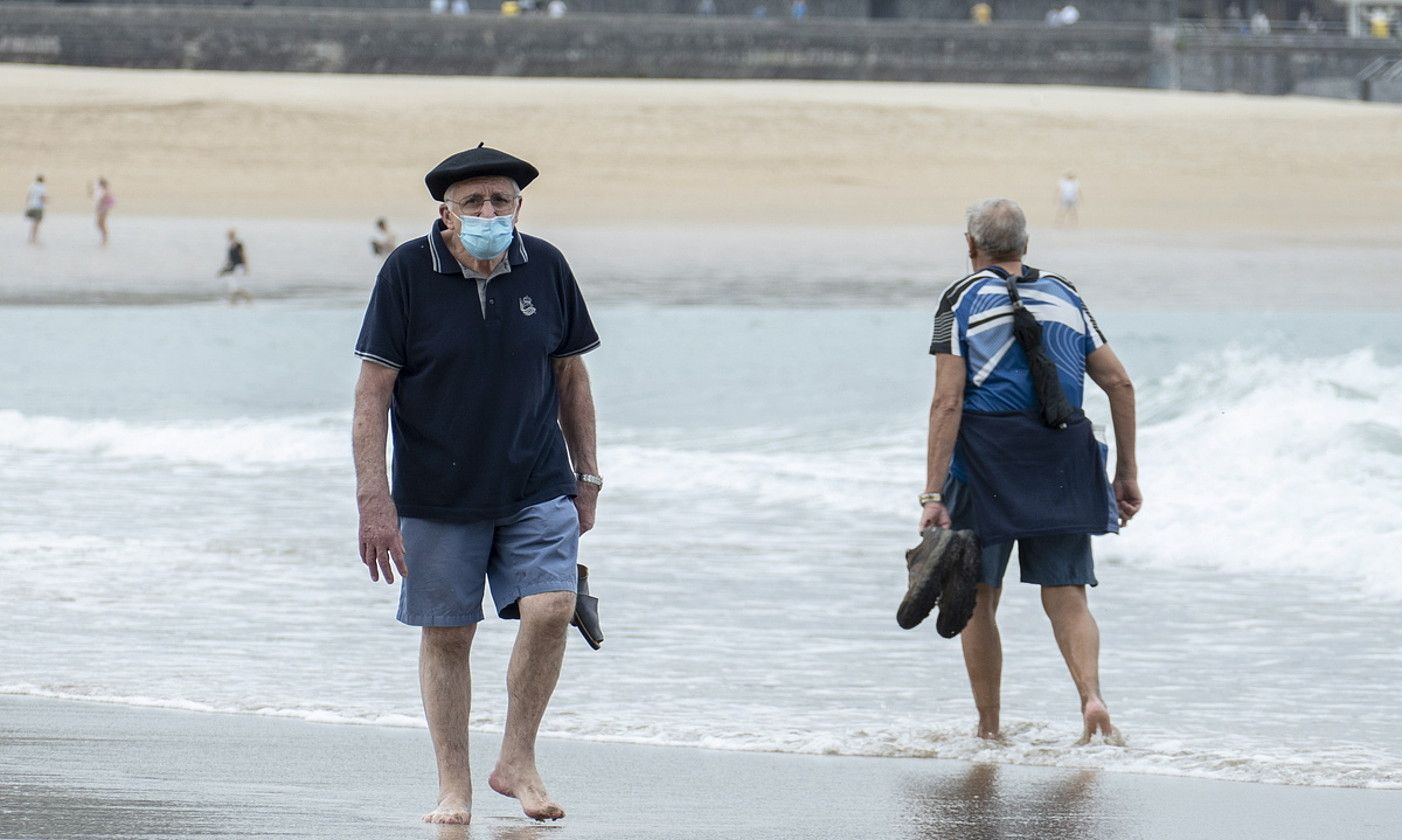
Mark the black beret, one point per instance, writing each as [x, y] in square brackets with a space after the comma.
[481, 162]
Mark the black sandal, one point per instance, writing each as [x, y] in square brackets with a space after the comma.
[586, 611]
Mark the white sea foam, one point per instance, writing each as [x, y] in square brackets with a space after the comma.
[1027, 743]
[232, 444]
[1252, 463]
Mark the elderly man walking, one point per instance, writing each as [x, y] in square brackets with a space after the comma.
[996, 466]
[471, 346]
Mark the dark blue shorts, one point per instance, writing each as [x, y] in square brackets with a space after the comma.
[1045, 561]
[529, 552]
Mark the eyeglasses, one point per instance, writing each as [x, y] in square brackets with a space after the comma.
[473, 203]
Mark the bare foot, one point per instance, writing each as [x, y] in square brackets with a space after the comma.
[1097, 722]
[452, 810]
[525, 786]
[988, 728]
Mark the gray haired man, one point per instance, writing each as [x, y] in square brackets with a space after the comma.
[984, 407]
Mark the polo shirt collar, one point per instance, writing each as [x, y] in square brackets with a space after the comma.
[445, 263]
[1028, 273]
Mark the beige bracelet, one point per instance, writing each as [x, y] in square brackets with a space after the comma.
[588, 478]
[927, 498]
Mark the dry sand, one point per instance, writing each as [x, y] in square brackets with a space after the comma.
[681, 152]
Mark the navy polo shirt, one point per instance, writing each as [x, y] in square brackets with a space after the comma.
[475, 413]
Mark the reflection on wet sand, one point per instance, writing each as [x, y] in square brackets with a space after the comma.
[37, 810]
[487, 831]
[978, 806]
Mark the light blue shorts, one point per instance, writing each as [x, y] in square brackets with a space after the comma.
[530, 552]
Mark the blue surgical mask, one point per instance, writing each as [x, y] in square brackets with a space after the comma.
[486, 239]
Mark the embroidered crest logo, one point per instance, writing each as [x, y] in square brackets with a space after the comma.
[527, 308]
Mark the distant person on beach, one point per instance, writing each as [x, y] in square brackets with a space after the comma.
[235, 263]
[103, 200]
[460, 8]
[1068, 200]
[706, 8]
[34, 203]
[472, 344]
[556, 9]
[798, 9]
[986, 404]
[981, 13]
[384, 239]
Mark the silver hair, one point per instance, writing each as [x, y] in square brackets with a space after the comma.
[998, 227]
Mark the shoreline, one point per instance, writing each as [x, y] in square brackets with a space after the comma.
[155, 260]
[83, 769]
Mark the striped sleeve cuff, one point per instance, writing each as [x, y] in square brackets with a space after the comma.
[379, 360]
[581, 351]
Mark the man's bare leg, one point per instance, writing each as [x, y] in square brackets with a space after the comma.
[534, 670]
[983, 657]
[1078, 636]
[446, 682]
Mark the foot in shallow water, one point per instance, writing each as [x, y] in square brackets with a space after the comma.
[1097, 722]
[452, 810]
[525, 786]
[993, 736]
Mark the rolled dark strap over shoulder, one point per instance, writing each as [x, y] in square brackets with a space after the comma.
[1055, 410]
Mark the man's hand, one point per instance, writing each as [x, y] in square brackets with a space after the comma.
[586, 501]
[934, 514]
[381, 545]
[1128, 498]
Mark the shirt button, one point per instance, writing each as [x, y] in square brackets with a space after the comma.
[491, 300]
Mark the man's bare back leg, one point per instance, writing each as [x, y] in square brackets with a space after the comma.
[983, 658]
[1078, 636]
[534, 670]
[446, 683]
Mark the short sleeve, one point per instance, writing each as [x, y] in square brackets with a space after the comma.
[384, 332]
[578, 335]
[1095, 339]
[948, 334]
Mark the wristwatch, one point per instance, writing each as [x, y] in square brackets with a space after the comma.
[589, 478]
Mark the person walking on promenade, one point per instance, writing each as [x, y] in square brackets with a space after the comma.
[35, 203]
[990, 401]
[472, 345]
[103, 200]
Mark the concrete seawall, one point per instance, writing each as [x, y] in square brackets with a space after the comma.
[596, 45]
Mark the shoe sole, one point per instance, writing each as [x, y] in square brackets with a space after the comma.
[959, 593]
[921, 597]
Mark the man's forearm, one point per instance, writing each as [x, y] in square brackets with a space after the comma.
[946, 410]
[944, 430]
[1122, 416]
[369, 430]
[577, 416]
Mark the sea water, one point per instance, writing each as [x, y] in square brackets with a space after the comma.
[176, 502]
